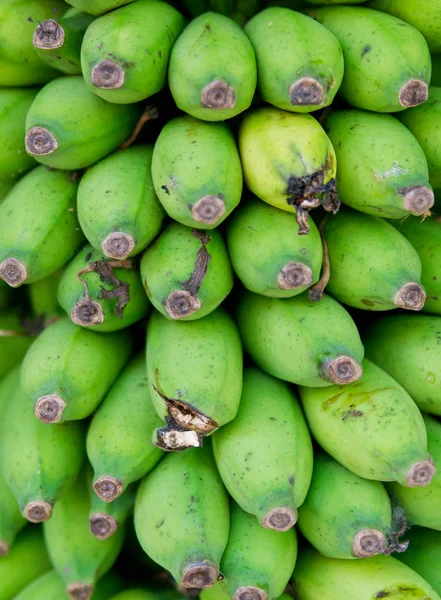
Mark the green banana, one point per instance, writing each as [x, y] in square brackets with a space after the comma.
[79, 558]
[72, 386]
[50, 586]
[98, 7]
[14, 341]
[382, 169]
[288, 161]
[378, 577]
[264, 455]
[69, 127]
[372, 427]
[187, 272]
[387, 61]
[345, 516]
[267, 254]
[125, 53]
[118, 440]
[212, 73]
[299, 62]
[195, 376]
[19, 65]
[27, 560]
[296, 339]
[43, 301]
[39, 229]
[407, 348]
[182, 517]
[58, 41]
[424, 555]
[196, 172]
[89, 304]
[373, 266]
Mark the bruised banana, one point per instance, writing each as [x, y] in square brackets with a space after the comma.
[118, 439]
[72, 386]
[187, 272]
[50, 586]
[14, 341]
[371, 427]
[424, 555]
[98, 7]
[264, 455]
[182, 517]
[288, 161]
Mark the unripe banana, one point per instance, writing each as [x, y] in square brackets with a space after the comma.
[98, 7]
[382, 169]
[58, 41]
[119, 304]
[182, 517]
[27, 560]
[187, 272]
[72, 386]
[407, 348]
[264, 455]
[195, 376]
[118, 440]
[378, 577]
[299, 62]
[50, 586]
[288, 161]
[69, 127]
[424, 555]
[372, 265]
[267, 254]
[79, 558]
[372, 427]
[212, 73]
[19, 65]
[14, 341]
[125, 53]
[296, 339]
[257, 563]
[39, 229]
[345, 516]
[197, 172]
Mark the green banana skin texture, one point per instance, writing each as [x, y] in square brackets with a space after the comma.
[98, 7]
[371, 427]
[308, 343]
[118, 440]
[257, 561]
[118, 210]
[424, 554]
[267, 254]
[373, 266]
[299, 62]
[125, 54]
[68, 370]
[378, 577]
[382, 56]
[39, 230]
[27, 560]
[382, 169]
[14, 341]
[344, 516]
[19, 65]
[186, 272]
[212, 73]
[201, 196]
[69, 127]
[85, 303]
[407, 347]
[50, 586]
[264, 455]
[182, 517]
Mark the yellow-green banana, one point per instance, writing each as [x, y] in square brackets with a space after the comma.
[50, 586]
[197, 172]
[86, 365]
[296, 339]
[288, 161]
[195, 376]
[14, 341]
[299, 62]
[424, 555]
[264, 455]
[187, 272]
[98, 7]
[212, 73]
[372, 427]
[118, 440]
[382, 169]
[387, 61]
[182, 517]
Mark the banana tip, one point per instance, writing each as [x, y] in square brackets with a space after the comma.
[411, 297]
[50, 408]
[250, 592]
[108, 488]
[421, 473]
[37, 511]
[13, 272]
[413, 93]
[208, 210]
[181, 303]
[118, 245]
[343, 370]
[40, 141]
[48, 35]
[4, 548]
[102, 525]
[87, 313]
[418, 199]
[108, 75]
[294, 275]
[368, 542]
[79, 591]
[218, 95]
[200, 576]
[280, 519]
[306, 92]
